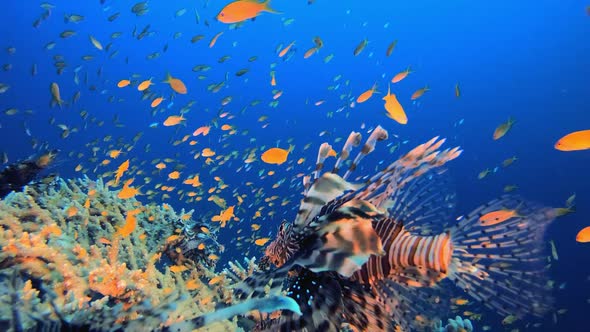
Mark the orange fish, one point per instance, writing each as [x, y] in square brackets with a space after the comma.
[202, 131]
[310, 52]
[401, 75]
[173, 120]
[71, 211]
[367, 94]
[394, 108]
[496, 217]
[214, 39]
[273, 80]
[130, 223]
[583, 235]
[174, 175]
[127, 192]
[156, 102]
[144, 85]
[261, 241]
[286, 49]
[207, 152]
[120, 170]
[242, 10]
[275, 156]
[578, 140]
[503, 128]
[123, 83]
[419, 93]
[224, 216]
[176, 84]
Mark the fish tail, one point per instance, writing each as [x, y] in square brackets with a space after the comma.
[266, 7]
[502, 265]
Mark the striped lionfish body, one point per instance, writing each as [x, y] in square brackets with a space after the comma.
[378, 254]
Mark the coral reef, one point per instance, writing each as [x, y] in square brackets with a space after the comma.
[75, 254]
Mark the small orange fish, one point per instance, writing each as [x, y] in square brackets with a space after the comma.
[224, 216]
[394, 109]
[401, 75]
[207, 152]
[173, 120]
[176, 84]
[275, 156]
[284, 51]
[174, 175]
[273, 80]
[419, 93]
[496, 217]
[503, 128]
[120, 170]
[202, 131]
[261, 241]
[576, 141]
[367, 94]
[242, 10]
[71, 211]
[123, 83]
[310, 52]
[127, 192]
[156, 102]
[144, 85]
[583, 235]
[178, 268]
[130, 223]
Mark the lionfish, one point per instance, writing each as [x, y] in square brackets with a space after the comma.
[380, 253]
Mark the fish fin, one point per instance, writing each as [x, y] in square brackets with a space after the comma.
[320, 298]
[502, 265]
[262, 282]
[327, 188]
[414, 309]
[387, 184]
[424, 205]
[363, 310]
[268, 9]
[341, 241]
[354, 139]
[378, 134]
[269, 304]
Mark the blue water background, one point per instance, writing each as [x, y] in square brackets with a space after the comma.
[523, 59]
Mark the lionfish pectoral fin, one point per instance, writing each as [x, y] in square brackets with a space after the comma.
[324, 190]
[364, 311]
[262, 283]
[503, 265]
[268, 304]
[320, 298]
[343, 241]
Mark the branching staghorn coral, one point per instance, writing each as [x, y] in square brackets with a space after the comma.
[84, 258]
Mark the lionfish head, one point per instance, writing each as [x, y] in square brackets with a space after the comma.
[282, 248]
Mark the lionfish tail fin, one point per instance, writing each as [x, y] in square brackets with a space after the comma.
[502, 264]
